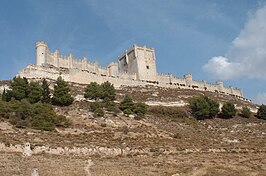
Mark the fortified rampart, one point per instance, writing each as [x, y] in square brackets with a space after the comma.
[137, 66]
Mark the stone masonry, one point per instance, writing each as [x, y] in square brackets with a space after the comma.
[136, 67]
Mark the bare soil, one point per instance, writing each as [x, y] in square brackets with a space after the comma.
[168, 147]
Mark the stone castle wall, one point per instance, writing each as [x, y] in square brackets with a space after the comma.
[137, 67]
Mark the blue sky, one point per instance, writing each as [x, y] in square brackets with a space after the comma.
[209, 38]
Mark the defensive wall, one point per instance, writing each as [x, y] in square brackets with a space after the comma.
[136, 67]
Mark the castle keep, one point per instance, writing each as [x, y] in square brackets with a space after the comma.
[136, 67]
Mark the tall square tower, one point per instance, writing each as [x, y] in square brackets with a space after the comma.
[140, 61]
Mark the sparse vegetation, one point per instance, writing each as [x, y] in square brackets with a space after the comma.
[38, 116]
[18, 90]
[109, 106]
[3, 96]
[245, 112]
[104, 95]
[177, 136]
[95, 105]
[46, 98]
[107, 91]
[228, 110]
[99, 112]
[21, 89]
[103, 125]
[34, 92]
[203, 107]
[61, 95]
[92, 91]
[129, 107]
[104, 91]
[171, 112]
[140, 109]
[261, 114]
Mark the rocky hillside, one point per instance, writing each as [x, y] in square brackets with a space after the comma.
[172, 145]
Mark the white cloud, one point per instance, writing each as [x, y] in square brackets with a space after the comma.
[247, 54]
[221, 68]
[261, 98]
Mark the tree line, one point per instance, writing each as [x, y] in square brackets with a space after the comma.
[34, 92]
[203, 107]
[28, 104]
[104, 96]
[22, 101]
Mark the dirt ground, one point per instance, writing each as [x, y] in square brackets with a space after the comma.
[212, 147]
[229, 164]
[156, 146]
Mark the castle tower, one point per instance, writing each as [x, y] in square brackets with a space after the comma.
[113, 69]
[220, 86]
[140, 61]
[41, 49]
[188, 79]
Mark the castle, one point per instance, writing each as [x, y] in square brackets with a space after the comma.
[136, 67]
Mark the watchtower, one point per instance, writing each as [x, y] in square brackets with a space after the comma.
[188, 79]
[140, 61]
[41, 49]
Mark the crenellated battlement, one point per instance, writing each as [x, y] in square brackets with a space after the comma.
[137, 66]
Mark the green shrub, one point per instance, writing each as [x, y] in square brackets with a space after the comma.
[39, 116]
[174, 113]
[93, 91]
[61, 94]
[245, 112]
[34, 92]
[228, 110]
[46, 98]
[3, 96]
[140, 108]
[104, 91]
[21, 89]
[109, 105]
[107, 91]
[202, 107]
[214, 107]
[18, 89]
[99, 112]
[127, 105]
[261, 114]
[42, 123]
[95, 105]
[128, 111]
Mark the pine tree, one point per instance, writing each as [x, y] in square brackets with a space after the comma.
[261, 114]
[213, 107]
[203, 107]
[127, 105]
[61, 94]
[107, 91]
[245, 112]
[34, 92]
[4, 95]
[228, 110]
[19, 89]
[45, 92]
[93, 91]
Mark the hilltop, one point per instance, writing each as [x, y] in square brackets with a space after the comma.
[167, 141]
